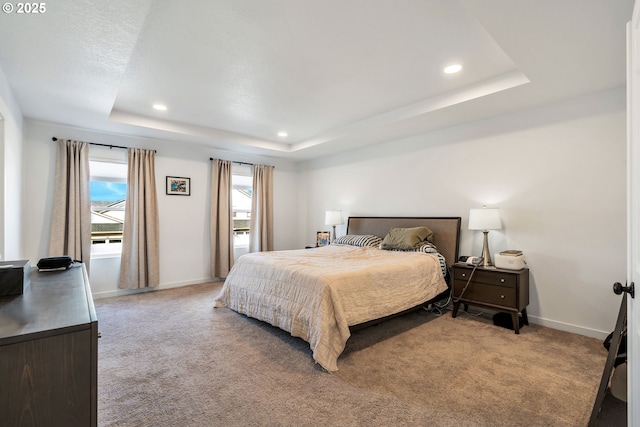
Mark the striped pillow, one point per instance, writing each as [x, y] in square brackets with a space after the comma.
[428, 248]
[358, 240]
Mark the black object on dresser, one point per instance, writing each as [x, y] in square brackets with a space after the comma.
[495, 288]
[49, 352]
[14, 277]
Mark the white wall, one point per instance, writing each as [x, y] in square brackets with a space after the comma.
[11, 123]
[557, 173]
[184, 221]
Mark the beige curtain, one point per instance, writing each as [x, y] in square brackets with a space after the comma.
[261, 226]
[71, 215]
[221, 219]
[140, 260]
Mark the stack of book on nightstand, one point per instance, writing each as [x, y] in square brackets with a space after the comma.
[511, 252]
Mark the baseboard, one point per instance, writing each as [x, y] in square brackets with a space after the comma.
[121, 292]
[567, 327]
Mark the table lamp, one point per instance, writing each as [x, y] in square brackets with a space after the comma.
[485, 219]
[333, 218]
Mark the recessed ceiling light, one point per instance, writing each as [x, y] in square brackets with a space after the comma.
[283, 134]
[160, 107]
[452, 69]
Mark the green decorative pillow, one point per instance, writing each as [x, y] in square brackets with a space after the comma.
[406, 238]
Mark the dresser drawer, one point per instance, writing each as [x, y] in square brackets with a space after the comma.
[497, 278]
[483, 293]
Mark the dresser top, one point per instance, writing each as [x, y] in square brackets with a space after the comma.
[492, 268]
[55, 300]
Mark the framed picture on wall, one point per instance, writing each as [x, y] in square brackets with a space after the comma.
[177, 186]
[323, 238]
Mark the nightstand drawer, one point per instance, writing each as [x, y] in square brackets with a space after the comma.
[490, 277]
[489, 294]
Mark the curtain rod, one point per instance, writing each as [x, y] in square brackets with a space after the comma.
[103, 145]
[239, 163]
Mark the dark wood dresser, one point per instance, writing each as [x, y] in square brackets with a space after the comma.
[49, 352]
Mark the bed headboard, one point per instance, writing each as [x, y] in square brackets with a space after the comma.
[446, 230]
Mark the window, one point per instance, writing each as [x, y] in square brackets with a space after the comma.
[108, 192]
[241, 192]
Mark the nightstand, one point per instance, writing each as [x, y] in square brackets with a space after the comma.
[495, 288]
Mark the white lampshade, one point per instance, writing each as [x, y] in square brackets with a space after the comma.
[333, 218]
[485, 219]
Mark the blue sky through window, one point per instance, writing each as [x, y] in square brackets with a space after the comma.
[108, 191]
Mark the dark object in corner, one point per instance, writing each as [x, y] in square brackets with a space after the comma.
[504, 320]
[15, 277]
[621, 355]
[55, 263]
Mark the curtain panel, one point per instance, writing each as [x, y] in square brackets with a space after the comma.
[261, 225]
[221, 219]
[71, 214]
[140, 259]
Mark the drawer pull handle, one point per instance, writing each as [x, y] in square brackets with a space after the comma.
[502, 296]
[464, 274]
[501, 280]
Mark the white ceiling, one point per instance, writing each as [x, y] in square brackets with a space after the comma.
[334, 74]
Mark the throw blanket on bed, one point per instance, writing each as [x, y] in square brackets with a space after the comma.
[316, 294]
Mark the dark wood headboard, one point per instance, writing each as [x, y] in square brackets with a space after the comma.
[446, 230]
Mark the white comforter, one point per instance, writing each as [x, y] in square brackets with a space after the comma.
[316, 294]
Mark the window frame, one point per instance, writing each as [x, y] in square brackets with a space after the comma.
[241, 179]
[107, 250]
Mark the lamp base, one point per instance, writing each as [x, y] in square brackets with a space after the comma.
[486, 255]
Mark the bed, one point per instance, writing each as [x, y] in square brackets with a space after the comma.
[321, 294]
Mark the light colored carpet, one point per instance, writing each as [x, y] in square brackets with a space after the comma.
[167, 358]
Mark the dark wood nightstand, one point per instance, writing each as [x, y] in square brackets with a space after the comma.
[495, 288]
